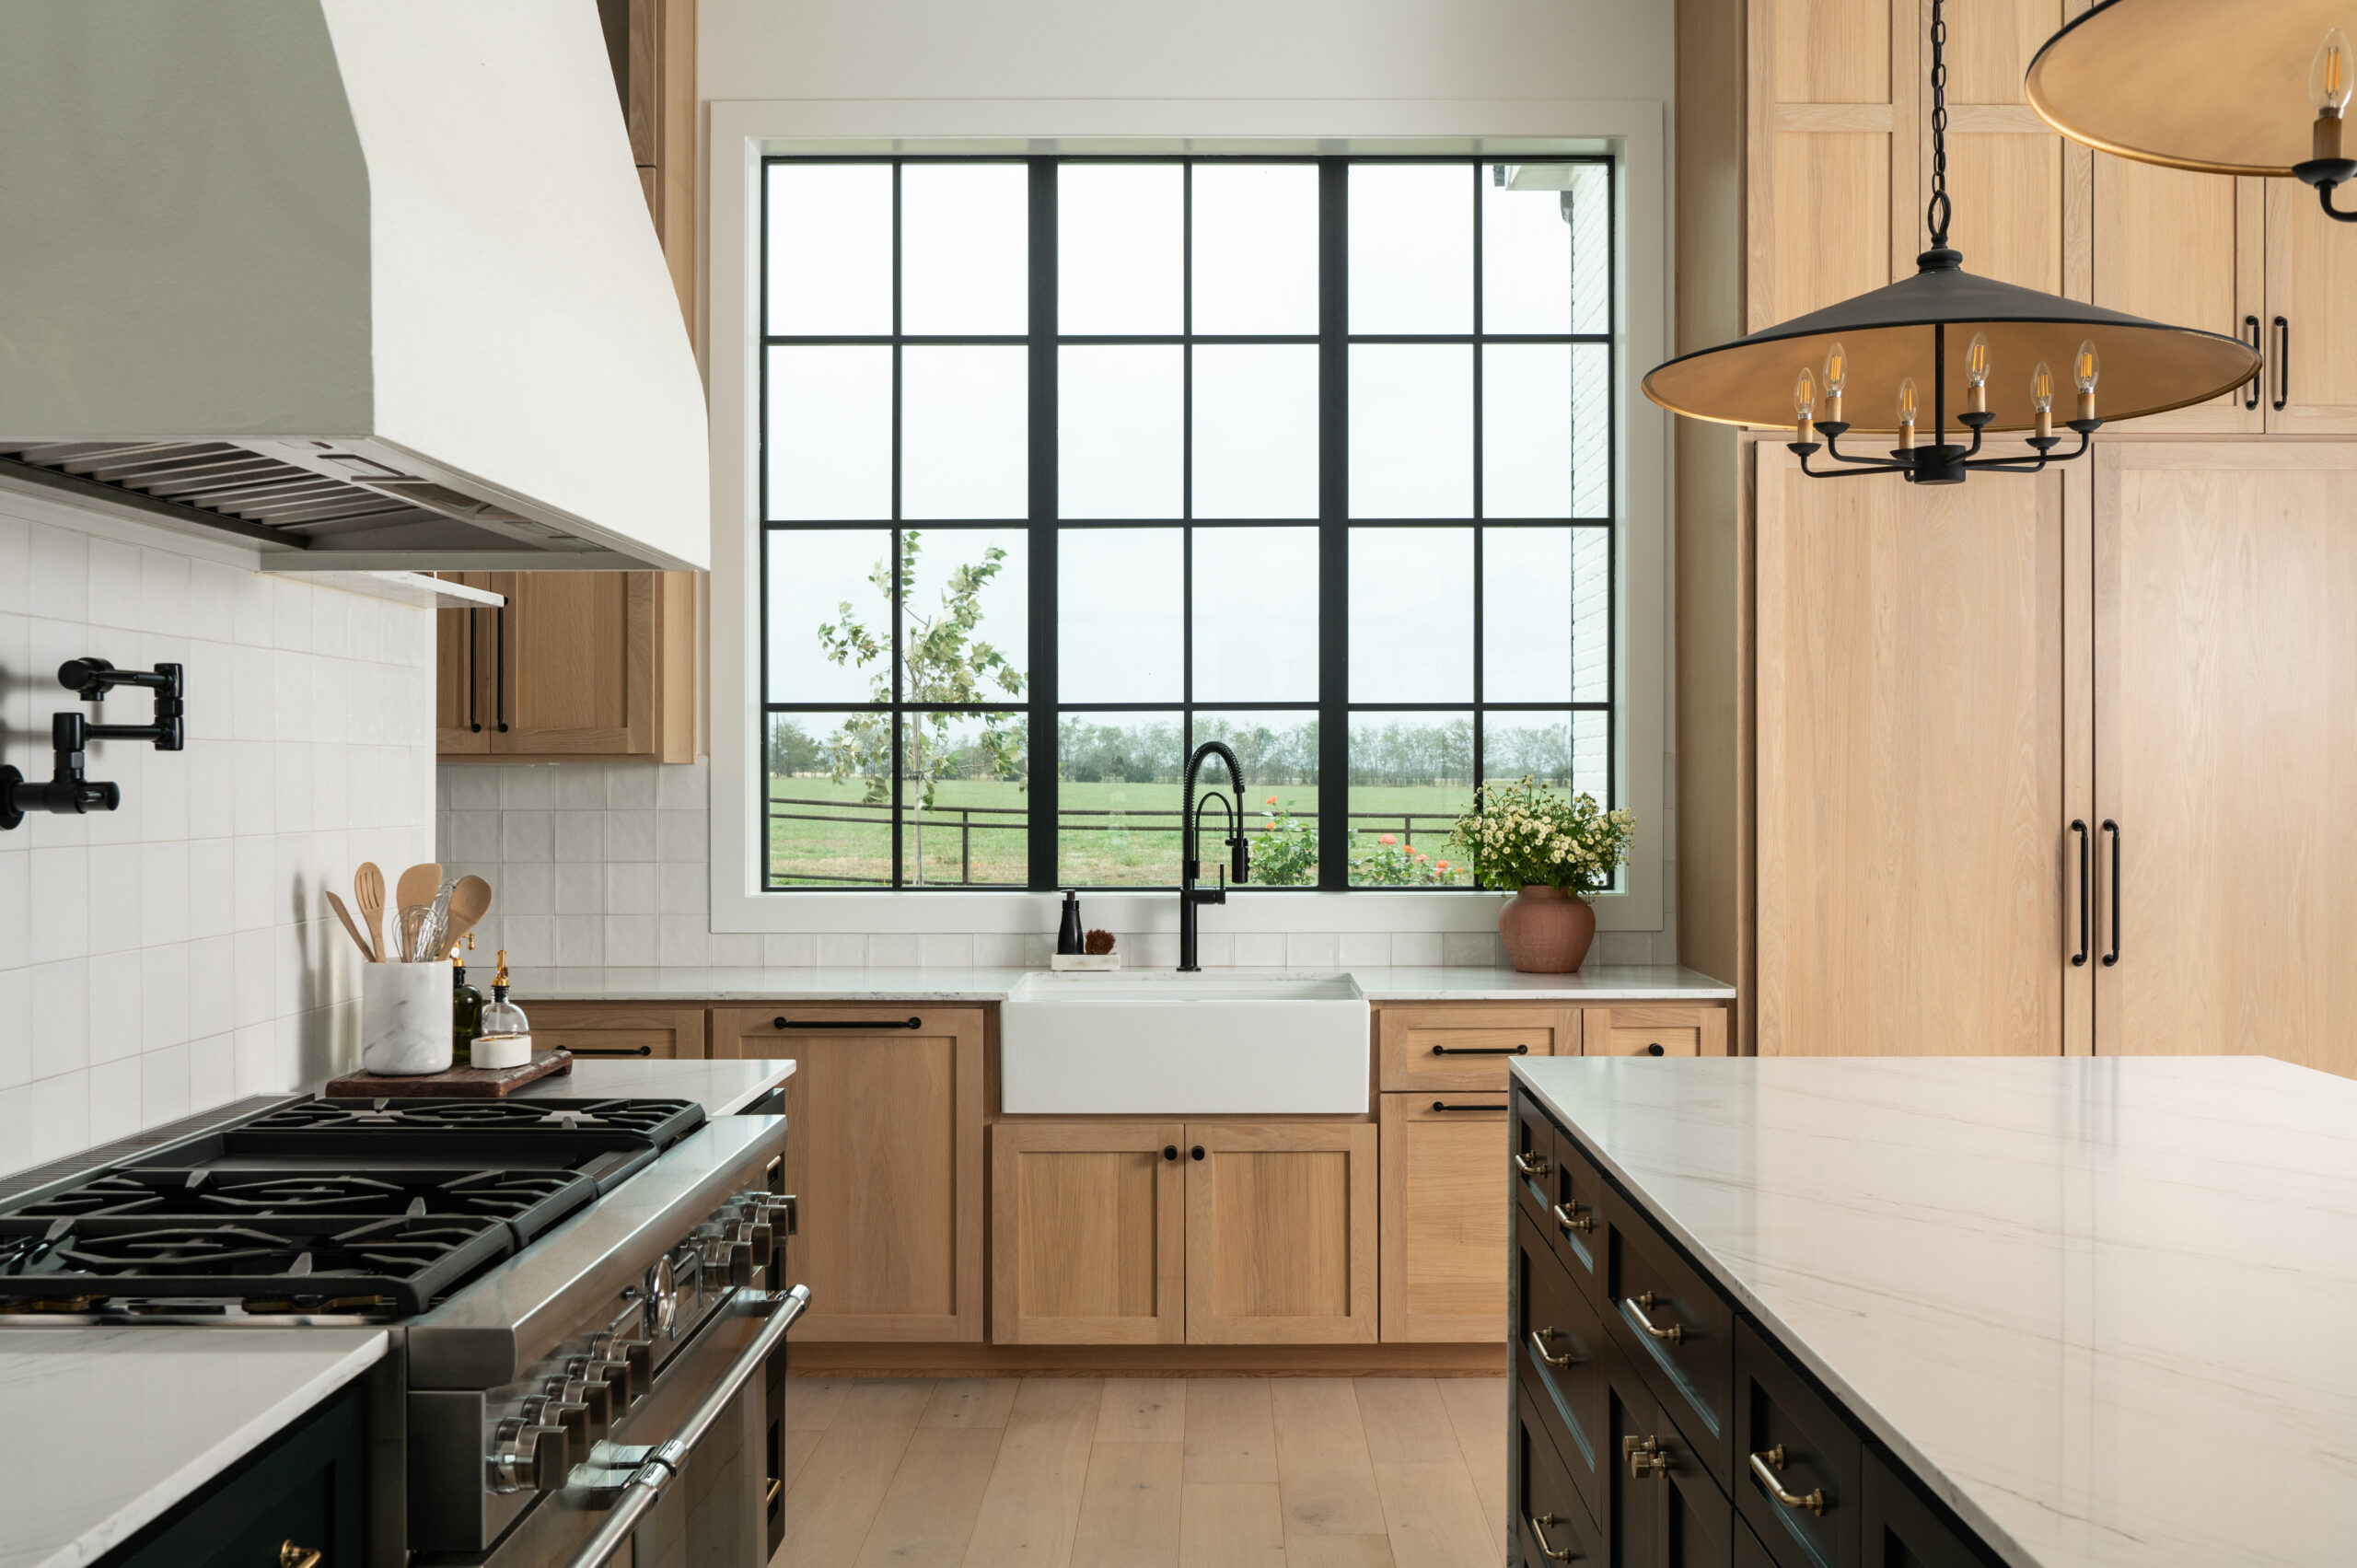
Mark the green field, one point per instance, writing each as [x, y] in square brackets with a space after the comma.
[1111, 836]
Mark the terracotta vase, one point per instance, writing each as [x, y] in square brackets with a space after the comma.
[1546, 930]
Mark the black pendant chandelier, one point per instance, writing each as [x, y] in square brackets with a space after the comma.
[2213, 86]
[1933, 344]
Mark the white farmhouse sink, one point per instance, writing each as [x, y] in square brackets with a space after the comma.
[1174, 1044]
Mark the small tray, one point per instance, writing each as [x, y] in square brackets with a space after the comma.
[1096, 963]
[451, 1083]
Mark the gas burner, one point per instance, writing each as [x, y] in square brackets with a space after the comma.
[182, 1250]
[662, 1121]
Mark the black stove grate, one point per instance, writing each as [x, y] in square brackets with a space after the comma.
[659, 1121]
[532, 1201]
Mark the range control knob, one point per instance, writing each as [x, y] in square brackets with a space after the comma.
[740, 1264]
[524, 1457]
[614, 1375]
[639, 1356]
[594, 1397]
[568, 1416]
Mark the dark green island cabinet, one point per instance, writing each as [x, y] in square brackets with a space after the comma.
[305, 1491]
[1654, 1425]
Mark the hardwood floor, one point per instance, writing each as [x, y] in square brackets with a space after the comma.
[1145, 1473]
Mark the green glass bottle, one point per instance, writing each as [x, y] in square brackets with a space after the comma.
[466, 1009]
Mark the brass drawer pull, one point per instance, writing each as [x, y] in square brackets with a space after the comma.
[1567, 1214]
[1645, 1456]
[293, 1556]
[1539, 1338]
[1547, 1548]
[1636, 1306]
[1765, 1465]
[1532, 1164]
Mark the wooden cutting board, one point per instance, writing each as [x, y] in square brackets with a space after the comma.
[451, 1083]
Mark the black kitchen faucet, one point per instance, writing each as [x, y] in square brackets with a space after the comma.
[68, 792]
[1191, 898]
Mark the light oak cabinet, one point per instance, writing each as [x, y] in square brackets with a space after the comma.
[619, 1029]
[1450, 1048]
[1653, 1029]
[576, 666]
[653, 46]
[1087, 1233]
[1280, 1233]
[1446, 1186]
[885, 1156]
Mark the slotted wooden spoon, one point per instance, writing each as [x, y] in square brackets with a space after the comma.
[368, 895]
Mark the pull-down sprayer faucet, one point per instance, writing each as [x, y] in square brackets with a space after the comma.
[1191, 898]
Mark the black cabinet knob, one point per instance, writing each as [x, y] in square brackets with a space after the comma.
[1170, 1151]
[1653, 1050]
[1197, 1151]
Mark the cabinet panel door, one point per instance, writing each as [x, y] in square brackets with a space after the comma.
[577, 662]
[1445, 1212]
[2209, 272]
[886, 1156]
[1550, 1524]
[1280, 1233]
[1560, 1357]
[1901, 1531]
[1467, 1048]
[462, 666]
[1696, 1528]
[1086, 1233]
[1805, 1447]
[2226, 750]
[618, 1030]
[1917, 875]
[2312, 325]
[2020, 191]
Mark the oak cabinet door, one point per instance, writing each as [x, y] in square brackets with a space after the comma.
[2311, 378]
[885, 1153]
[2210, 272]
[462, 668]
[577, 665]
[1086, 1233]
[1445, 1205]
[1918, 767]
[1280, 1233]
[624, 1029]
[2225, 673]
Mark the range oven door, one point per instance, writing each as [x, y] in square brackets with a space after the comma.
[715, 1512]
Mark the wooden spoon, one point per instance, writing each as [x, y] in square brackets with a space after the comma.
[368, 893]
[345, 915]
[470, 902]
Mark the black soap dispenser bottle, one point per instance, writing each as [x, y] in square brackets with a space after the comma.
[1068, 935]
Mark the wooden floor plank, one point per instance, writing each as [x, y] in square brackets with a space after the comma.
[928, 1513]
[799, 1441]
[1477, 1414]
[1032, 1504]
[1405, 1422]
[1230, 1435]
[811, 1402]
[971, 1402]
[1129, 1516]
[1143, 1410]
[1230, 1525]
[1338, 1551]
[1325, 1482]
[1434, 1519]
[842, 1483]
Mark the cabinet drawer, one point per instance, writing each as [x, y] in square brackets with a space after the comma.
[1675, 1327]
[307, 1486]
[1788, 1438]
[1465, 1047]
[1654, 1042]
[601, 1030]
[1552, 1523]
[1559, 1354]
[1558, 1190]
[1654, 1029]
[1896, 1526]
[1694, 1524]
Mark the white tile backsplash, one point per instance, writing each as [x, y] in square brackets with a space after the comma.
[176, 953]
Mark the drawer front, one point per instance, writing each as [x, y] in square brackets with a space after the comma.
[1696, 1525]
[1551, 1525]
[1577, 1217]
[1749, 1553]
[606, 1029]
[1677, 1331]
[1797, 1483]
[1897, 1527]
[1654, 1042]
[1654, 1029]
[1462, 1048]
[1559, 1354]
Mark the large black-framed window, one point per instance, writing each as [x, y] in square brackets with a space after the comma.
[1070, 463]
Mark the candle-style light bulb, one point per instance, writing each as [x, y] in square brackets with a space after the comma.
[1976, 375]
[2330, 77]
[2085, 368]
[2041, 398]
[1906, 414]
[1837, 376]
[1805, 405]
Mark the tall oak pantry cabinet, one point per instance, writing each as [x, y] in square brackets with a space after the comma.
[1941, 700]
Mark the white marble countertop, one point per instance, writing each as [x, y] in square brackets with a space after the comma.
[103, 1429]
[2104, 1306]
[1597, 983]
[723, 1087]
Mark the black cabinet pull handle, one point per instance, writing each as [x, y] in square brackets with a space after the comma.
[1653, 1049]
[608, 1050]
[1481, 1051]
[1444, 1104]
[2078, 825]
[499, 673]
[846, 1023]
[1196, 1153]
[2282, 362]
[474, 663]
[1170, 1151]
[2113, 828]
[2250, 398]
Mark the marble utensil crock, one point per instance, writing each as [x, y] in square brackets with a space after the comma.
[1546, 930]
[405, 1019]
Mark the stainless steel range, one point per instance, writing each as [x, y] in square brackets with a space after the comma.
[579, 1293]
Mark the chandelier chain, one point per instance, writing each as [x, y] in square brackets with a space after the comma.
[1936, 215]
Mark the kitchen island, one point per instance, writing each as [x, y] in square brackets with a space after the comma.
[2053, 1313]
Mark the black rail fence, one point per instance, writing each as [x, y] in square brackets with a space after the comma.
[1016, 818]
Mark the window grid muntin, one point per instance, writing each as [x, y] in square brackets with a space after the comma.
[1333, 783]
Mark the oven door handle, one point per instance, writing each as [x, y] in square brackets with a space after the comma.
[661, 1466]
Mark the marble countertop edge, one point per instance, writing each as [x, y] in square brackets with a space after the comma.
[973, 983]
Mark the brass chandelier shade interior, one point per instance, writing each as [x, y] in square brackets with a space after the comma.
[1888, 336]
[2223, 86]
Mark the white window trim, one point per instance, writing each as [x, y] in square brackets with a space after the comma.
[744, 132]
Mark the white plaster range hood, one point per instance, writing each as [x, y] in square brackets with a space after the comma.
[370, 283]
